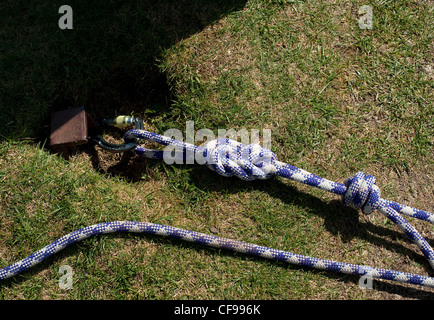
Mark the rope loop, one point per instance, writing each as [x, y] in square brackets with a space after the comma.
[232, 158]
[362, 193]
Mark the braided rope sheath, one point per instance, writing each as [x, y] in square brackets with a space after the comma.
[213, 241]
[231, 158]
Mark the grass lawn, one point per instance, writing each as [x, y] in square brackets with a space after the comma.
[336, 98]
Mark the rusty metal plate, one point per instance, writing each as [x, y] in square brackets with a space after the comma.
[69, 128]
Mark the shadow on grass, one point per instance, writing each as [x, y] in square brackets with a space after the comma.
[108, 62]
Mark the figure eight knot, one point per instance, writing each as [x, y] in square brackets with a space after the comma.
[232, 158]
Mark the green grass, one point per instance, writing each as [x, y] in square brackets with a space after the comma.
[337, 99]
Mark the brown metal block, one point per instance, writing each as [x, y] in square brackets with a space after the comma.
[68, 128]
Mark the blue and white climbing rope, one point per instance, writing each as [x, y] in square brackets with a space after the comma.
[212, 241]
[231, 158]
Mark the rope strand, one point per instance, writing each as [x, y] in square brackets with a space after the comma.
[212, 241]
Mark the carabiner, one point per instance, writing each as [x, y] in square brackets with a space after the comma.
[119, 122]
